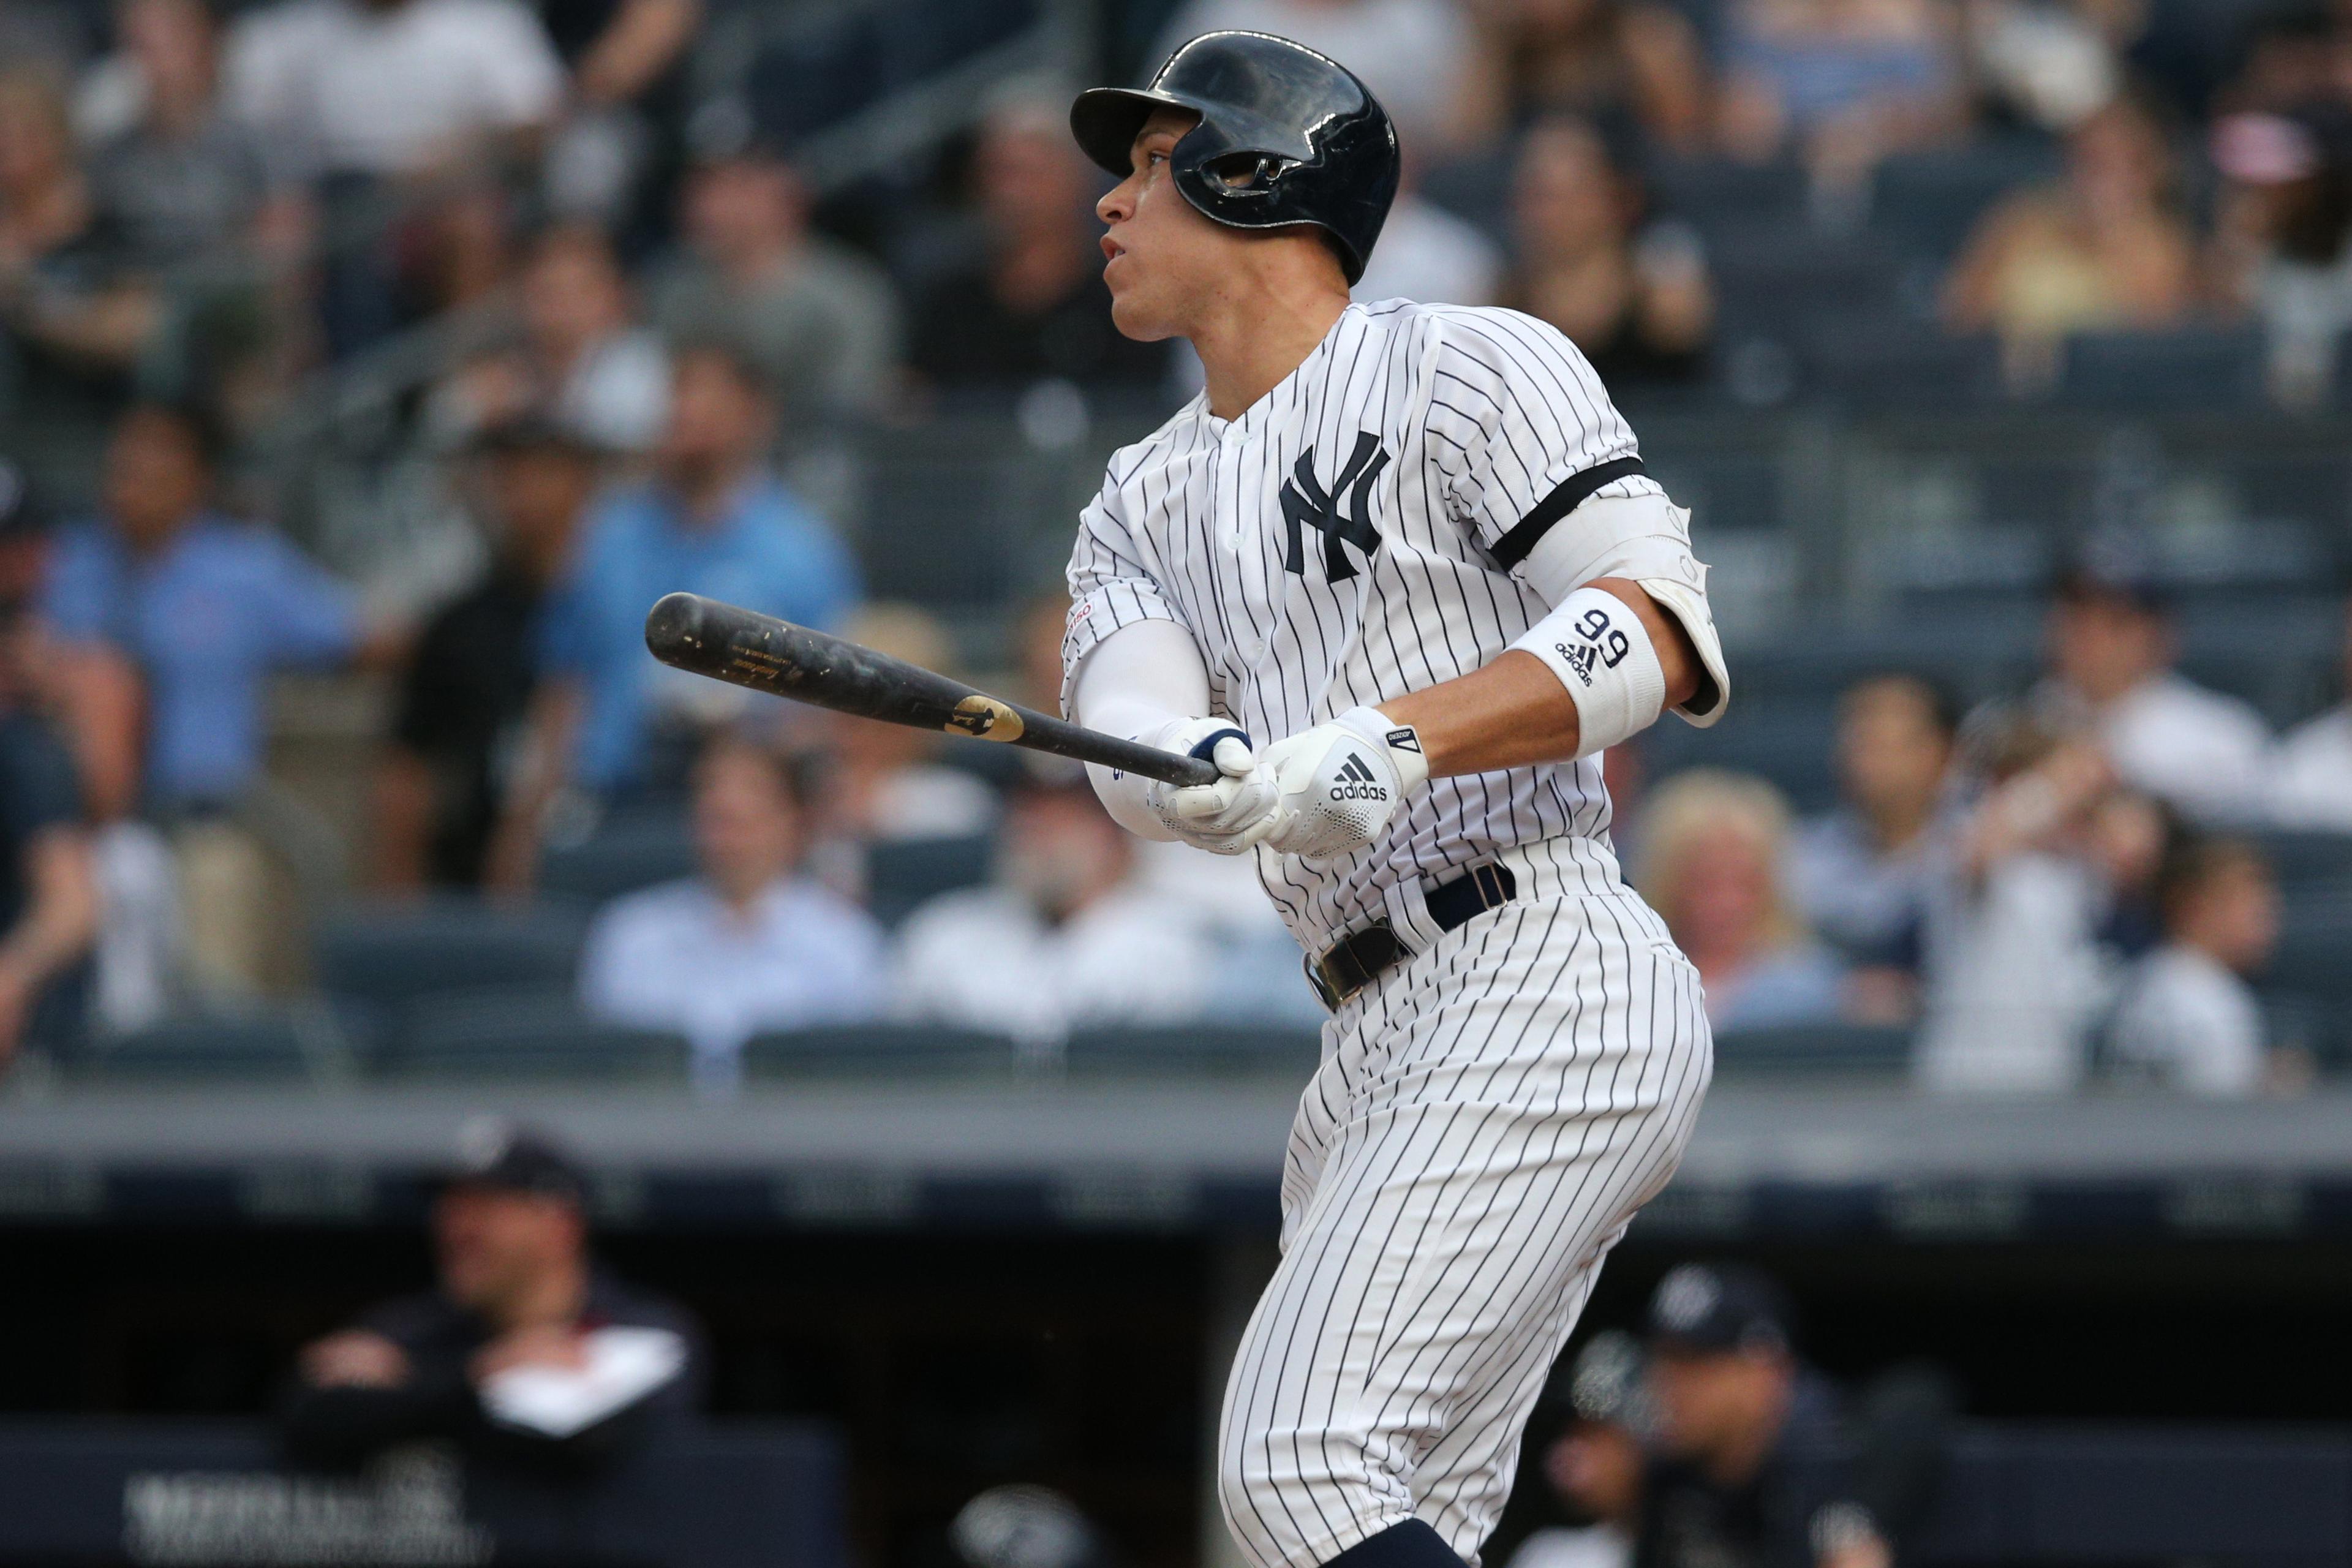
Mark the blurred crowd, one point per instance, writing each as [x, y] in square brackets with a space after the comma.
[646, 322]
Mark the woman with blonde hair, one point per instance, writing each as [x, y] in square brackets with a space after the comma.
[1712, 844]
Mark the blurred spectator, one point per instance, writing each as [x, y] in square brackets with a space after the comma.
[72, 317]
[467, 685]
[749, 943]
[1026, 1527]
[712, 520]
[2111, 679]
[389, 88]
[1631, 65]
[531, 1357]
[2013, 977]
[48, 891]
[2311, 778]
[1862, 875]
[885, 781]
[1066, 937]
[2105, 247]
[169, 620]
[1841, 83]
[2049, 64]
[1632, 293]
[1416, 56]
[176, 179]
[1033, 306]
[2187, 1018]
[1752, 1463]
[580, 359]
[628, 65]
[369, 104]
[1711, 865]
[2280, 232]
[1593, 1468]
[820, 318]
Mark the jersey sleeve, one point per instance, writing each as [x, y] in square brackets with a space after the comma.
[1521, 430]
[1111, 585]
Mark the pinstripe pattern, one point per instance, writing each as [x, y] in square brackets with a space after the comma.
[1490, 1113]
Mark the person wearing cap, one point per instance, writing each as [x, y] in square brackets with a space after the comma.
[1749, 1465]
[2111, 679]
[2280, 235]
[467, 684]
[526, 1355]
[820, 318]
[1592, 1471]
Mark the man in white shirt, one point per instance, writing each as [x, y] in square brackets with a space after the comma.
[2188, 1019]
[749, 945]
[388, 88]
[2311, 781]
[2111, 679]
[1067, 935]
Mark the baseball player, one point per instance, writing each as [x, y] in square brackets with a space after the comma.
[1414, 549]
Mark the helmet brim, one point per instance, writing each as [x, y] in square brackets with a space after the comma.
[1107, 120]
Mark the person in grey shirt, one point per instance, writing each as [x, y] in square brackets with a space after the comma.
[819, 318]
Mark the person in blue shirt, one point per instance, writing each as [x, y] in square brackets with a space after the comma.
[712, 519]
[195, 609]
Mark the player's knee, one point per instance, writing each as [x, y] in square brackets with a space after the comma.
[1285, 1493]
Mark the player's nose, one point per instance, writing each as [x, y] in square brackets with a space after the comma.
[1115, 206]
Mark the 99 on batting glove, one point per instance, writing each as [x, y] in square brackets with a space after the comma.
[1227, 818]
[1341, 783]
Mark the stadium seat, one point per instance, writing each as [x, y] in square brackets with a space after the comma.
[877, 1050]
[526, 1032]
[379, 959]
[902, 874]
[2314, 860]
[1891, 365]
[619, 860]
[262, 1048]
[1925, 203]
[1859, 1050]
[1718, 194]
[2190, 370]
[1786, 740]
[1185, 1050]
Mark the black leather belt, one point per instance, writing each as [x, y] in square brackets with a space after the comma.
[1356, 959]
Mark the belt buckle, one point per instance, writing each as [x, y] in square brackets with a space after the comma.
[1325, 992]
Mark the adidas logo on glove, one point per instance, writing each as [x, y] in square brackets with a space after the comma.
[1358, 781]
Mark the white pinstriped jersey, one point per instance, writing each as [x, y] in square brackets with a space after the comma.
[1348, 538]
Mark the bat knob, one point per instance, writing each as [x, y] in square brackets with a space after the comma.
[677, 626]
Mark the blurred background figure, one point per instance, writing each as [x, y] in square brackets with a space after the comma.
[2188, 1019]
[1862, 875]
[1026, 1527]
[467, 685]
[819, 318]
[580, 358]
[1712, 849]
[1030, 305]
[749, 943]
[2280, 234]
[1064, 936]
[48, 883]
[1632, 66]
[1748, 1437]
[713, 519]
[890, 782]
[528, 1355]
[2111, 679]
[2106, 247]
[1594, 1466]
[2312, 778]
[1838, 84]
[1630, 292]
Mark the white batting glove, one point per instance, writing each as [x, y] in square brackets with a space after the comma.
[1342, 782]
[1229, 816]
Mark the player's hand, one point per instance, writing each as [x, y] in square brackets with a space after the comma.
[1228, 817]
[1341, 783]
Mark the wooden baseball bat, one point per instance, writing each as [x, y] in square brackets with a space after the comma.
[744, 647]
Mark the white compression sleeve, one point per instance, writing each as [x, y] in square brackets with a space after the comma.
[1645, 539]
[1137, 679]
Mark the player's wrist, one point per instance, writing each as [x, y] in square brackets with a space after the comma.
[1400, 744]
[1601, 652]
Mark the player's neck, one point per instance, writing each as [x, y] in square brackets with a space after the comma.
[1249, 338]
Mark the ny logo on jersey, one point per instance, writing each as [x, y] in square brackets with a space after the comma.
[1306, 504]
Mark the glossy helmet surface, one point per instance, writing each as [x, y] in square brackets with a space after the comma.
[1286, 136]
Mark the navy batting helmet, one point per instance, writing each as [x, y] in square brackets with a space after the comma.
[1285, 136]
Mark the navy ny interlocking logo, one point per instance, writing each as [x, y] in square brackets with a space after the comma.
[1306, 504]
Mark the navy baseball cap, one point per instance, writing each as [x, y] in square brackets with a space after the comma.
[1709, 1308]
[501, 1156]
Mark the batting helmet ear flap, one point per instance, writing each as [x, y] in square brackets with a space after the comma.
[1286, 137]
